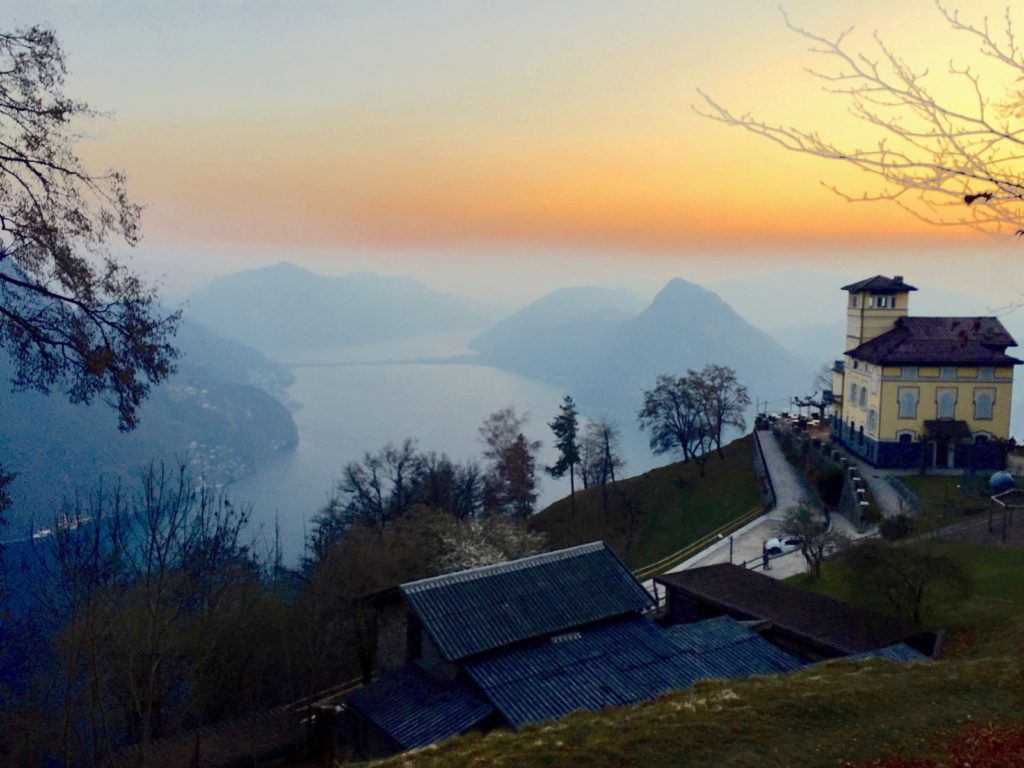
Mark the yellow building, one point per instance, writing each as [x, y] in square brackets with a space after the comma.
[920, 390]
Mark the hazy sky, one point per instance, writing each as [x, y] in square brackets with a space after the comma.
[498, 148]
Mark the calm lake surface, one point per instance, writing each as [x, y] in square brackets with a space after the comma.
[349, 409]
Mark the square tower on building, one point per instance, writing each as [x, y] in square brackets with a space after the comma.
[913, 391]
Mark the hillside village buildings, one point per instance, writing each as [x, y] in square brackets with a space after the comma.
[921, 391]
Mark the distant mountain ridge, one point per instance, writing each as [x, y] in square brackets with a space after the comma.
[283, 307]
[552, 337]
[605, 355]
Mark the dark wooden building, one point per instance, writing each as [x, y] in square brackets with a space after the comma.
[810, 626]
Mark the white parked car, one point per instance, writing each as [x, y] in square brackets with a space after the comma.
[781, 546]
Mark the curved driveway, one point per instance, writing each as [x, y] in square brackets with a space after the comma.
[748, 541]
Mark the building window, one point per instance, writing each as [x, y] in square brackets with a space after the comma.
[872, 420]
[860, 434]
[908, 402]
[854, 299]
[853, 394]
[863, 397]
[945, 404]
[987, 373]
[908, 372]
[948, 373]
[984, 399]
[905, 437]
[874, 382]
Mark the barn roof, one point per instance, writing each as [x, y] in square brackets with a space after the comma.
[940, 341]
[415, 710]
[837, 627]
[723, 647]
[478, 610]
[612, 664]
[897, 652]
[620, 662]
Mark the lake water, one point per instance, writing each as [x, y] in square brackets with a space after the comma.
[349, 409]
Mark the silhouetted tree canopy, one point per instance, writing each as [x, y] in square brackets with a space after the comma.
[565, 427]
[72, 316]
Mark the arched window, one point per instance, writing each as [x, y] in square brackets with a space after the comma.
[853, 394]
[906, 437]
[984, 399]
[908, 402]
[872, 420]
[945, 404]
[863, 397]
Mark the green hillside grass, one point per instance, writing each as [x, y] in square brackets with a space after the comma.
[654, 514]
[988, 623]
[943, 503]
[822, 716]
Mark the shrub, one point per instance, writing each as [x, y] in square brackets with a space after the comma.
[896, 527]
[871, 515]
[830, 486]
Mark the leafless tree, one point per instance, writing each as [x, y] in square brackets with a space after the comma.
[816, 540]
[150, 599]
[689, 414]
[511, 481]
[722, 400]
[601, 453]
[910, 578]
[945, 159]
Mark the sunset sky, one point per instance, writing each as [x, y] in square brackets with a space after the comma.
[480, 140]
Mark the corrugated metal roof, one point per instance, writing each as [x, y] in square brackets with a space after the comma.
[620, 662]
[898, 652]
[416, 710]
[478, 610]
[726, 648]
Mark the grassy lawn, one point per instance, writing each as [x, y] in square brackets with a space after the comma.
[942, 501]
[653, 515]
[819, 717]
[989, 623]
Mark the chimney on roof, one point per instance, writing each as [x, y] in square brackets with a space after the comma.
[898, 279]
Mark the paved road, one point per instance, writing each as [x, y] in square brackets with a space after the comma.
[748, 541]
[885, 495]
[790, 492]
